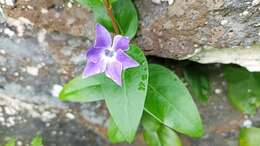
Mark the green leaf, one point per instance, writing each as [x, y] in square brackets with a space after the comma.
[112, 1]
[82, 90]
[124, 12]
[11, 142]
[126, 16]
[198, 80]
[169, 101]
[249, 137]
[156, 134]
[37, 141]
[114, 134]
[243, 88]
[126, 103]
[99, 11]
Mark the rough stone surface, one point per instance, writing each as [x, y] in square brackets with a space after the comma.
[55, 15]
[178, 30]
[246, 57]
[43, 44]
[186, 28]
[32, 66]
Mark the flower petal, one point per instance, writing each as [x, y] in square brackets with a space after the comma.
[94, 68]
[114, 71]
[103, 37]
[120, 42]
[94, 54]
[125, 60]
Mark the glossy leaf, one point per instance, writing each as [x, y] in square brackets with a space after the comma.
[124, 12]
[82, 90]
[169, 101]
[243, 88]
[37, 141]
[126, 16]
[99, 11]
[126, 103]
[249, 137]
[114, 134]
[11, 142]
[156, 134]
[198, 80]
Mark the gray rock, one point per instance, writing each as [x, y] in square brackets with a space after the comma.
[182, 30]
[32, 72]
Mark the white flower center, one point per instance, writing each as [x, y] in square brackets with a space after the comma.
[109, 55]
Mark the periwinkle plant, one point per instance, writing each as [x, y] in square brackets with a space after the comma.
[113, 73]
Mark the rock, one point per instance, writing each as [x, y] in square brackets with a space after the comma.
[170, 2]
[182, 30]
[247, 57]
[7, 2]
[54, 15]
[31, 76]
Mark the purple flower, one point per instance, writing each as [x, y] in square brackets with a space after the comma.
[110, 58]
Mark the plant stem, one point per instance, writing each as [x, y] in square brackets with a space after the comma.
[110, 14]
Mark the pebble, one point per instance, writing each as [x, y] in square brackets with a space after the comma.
[224, 22]
[2, 52]
[170, 2]
[56, 89]
[47, 116]
[60, 133]
[247, 123]
[23, 69]
[44, 11]
[16, 74]
[48, 125]
[53, 133]
[70, 116]
[30, 7]
[10, 2]
[2, 120]
[245, 13]
[156, 1]
[41, 36]
[255, 2]
[32, 70]
[7, 2]
[3, 69]
[28, 87]
[9, 111]
[19, 143]
[21, 78]
[9, 32]
[69, 4]
[218, 91]
[10, 122]
[196, 45]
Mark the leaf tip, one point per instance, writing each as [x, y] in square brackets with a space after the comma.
[62, 95]
[199, 132]
[129, 137]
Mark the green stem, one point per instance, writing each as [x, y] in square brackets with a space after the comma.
[110, 14]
